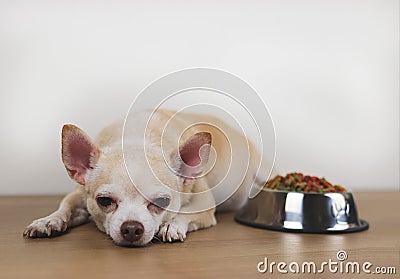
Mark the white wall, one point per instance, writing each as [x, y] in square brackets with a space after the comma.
[328, 70]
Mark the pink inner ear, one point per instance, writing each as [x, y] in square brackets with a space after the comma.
[79, 151]
[190, 151]
[78, 154]
[190, 154]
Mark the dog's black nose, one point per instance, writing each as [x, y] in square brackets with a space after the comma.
[132, 230]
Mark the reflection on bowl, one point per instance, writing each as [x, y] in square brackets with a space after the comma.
[302, 212]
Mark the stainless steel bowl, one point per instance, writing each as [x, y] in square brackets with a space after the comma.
[302, 212]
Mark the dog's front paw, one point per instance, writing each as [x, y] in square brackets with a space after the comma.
[52, 225]
[173, 231]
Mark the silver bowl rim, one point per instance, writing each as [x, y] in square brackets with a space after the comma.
[313, 193]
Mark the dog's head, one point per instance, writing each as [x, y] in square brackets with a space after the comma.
[130, 217]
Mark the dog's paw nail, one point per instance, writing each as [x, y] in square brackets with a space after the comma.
[25, 234]
[46, 227]
[48, 231]
[173, 231]
[65, 226]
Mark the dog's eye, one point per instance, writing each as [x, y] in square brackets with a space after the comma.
[159, 204]
[105, 201]
[162, 202]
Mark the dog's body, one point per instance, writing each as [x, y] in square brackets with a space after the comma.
[164, 207]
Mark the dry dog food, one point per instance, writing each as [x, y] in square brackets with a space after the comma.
[298, 182]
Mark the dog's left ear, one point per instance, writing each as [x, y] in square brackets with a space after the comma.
[79, 153]
[193, 155]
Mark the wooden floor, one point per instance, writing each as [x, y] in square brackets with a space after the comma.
[229, 250]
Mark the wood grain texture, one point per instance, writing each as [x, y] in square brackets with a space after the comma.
[228, 250]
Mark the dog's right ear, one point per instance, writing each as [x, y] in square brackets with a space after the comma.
[193, 155]
[79, 154]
